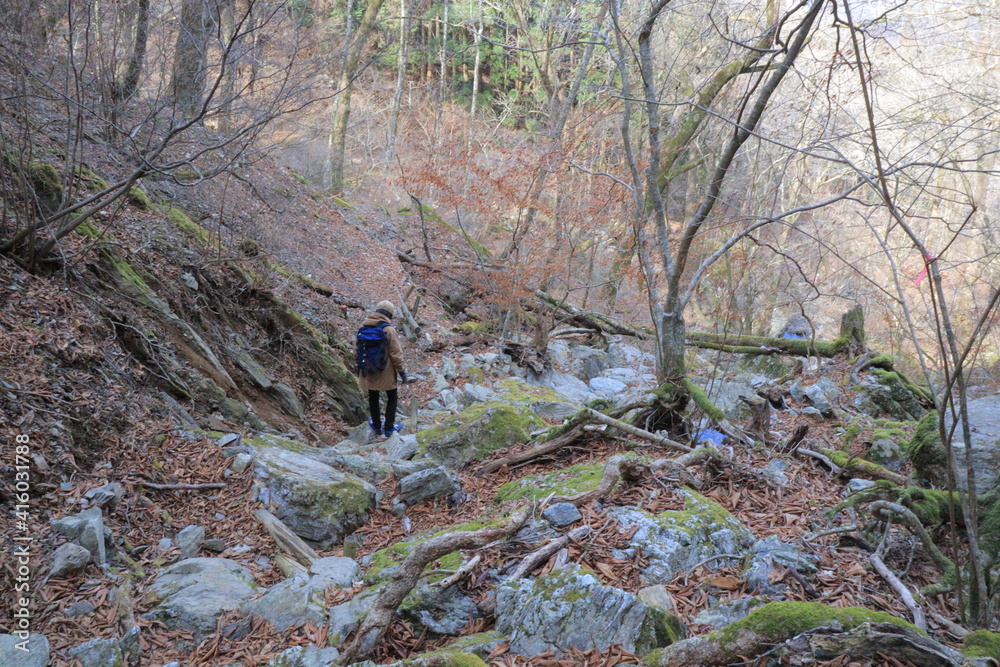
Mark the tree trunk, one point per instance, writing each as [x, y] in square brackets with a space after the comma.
[397, 95]
[342, 107]
[190, 51]
[670, 343]
[138, 58]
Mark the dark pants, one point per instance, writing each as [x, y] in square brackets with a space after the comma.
[390, 408]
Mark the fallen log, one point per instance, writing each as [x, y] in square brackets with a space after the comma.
[592, 320]
[759, 345]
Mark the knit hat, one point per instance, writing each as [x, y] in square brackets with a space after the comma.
[387, 307]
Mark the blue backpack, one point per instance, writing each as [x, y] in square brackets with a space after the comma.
[373, 351]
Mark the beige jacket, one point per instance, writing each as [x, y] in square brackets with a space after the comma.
[386, 378]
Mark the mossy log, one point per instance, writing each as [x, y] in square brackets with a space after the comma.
[848, 462]
[743, 344]
[869, 641]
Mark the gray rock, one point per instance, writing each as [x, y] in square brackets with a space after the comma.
[291, 603]
[555, 410]
[371, 467]
[79, 608]
[251, 367]
[476, 393]
[440, 383]
[336, 571]
[571, 608]
[402, 448]
[573, 388]
[12, 653]
[68, 558]
[316, 501]
[241, 462]
[443, 611]
[215, 545]
[857, 484]
[886, 396]
[626, 375]
[98, 653]
[230, 439]
[345, 618]
[534, 531]
[449, 368]
[559, 352]
[108, 495]
[588, 362]
[726, 395]
[88, 529]
[562, 514]
[658, 596]
[984, 424]
[289, 399]
[426, 484]
[774, 473]
[361, 435]
[306, 656]
[131, 646]
[477, 432]
[821, 395]
[768, 555]
[675, 541]
[194, 592]
[189, 541]
[727, 613]
[887, 452]
[623, 354]
[403, 468]
[607, 387]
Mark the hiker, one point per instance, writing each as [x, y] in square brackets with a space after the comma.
[380, 362]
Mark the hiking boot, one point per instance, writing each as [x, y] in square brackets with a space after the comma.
[398, 428]
[375, 429]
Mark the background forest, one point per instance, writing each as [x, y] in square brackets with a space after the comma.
[200, 198]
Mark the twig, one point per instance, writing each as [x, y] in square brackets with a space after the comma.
[460, 573]
[183, 487]
[901, 590]
[836, 469]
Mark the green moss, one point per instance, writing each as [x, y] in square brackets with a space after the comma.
[890, 434]
[851, 435]
[478, 431]
[127, 275]
[891, 424]
[989, 525]
[753, 344]
[982, 644]
[575, 479]
[926, 451]
[472, 328]
[89, 229]
[139, 199]
[777, 621]
[341, 202]
[600, 404]
[92, 181]
[186, 175]
[883, 361]
[895, 380]
[445, 658]
[702, 400]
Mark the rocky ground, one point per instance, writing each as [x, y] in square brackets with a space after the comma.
[745, 544]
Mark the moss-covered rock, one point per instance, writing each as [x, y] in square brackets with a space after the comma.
[571, 608]
[677, 540]
[982, 644]
[762, 629]
[477, 432]
[139, 199]
[927, 453]
[316, 501]
[575, 479]
[890, 393]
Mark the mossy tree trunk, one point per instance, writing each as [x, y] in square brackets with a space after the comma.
[190, 55]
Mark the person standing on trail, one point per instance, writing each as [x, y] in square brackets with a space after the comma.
[380, 363]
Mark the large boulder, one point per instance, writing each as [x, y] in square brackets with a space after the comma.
[477, 432]
[571, 608]
[886, 395]
[725, 395]
[984, 446]
[317, 502]
[568, 481]
[291, 603]
[193, 593]
[306, 656]
[677, 540]
[16, 651]
[98, 653]
[434, 482]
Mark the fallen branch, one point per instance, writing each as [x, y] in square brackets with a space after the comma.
[888, 511]
[536, 558]
[566, 434]
[285, 538]
[848, 462]
[836, 469]
[591, 320]
[901, 590]
[460, 573]
[408, 574]
[616, 468]
[602, 418]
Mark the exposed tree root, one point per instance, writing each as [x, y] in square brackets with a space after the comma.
[887, 511]
[408, 574]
